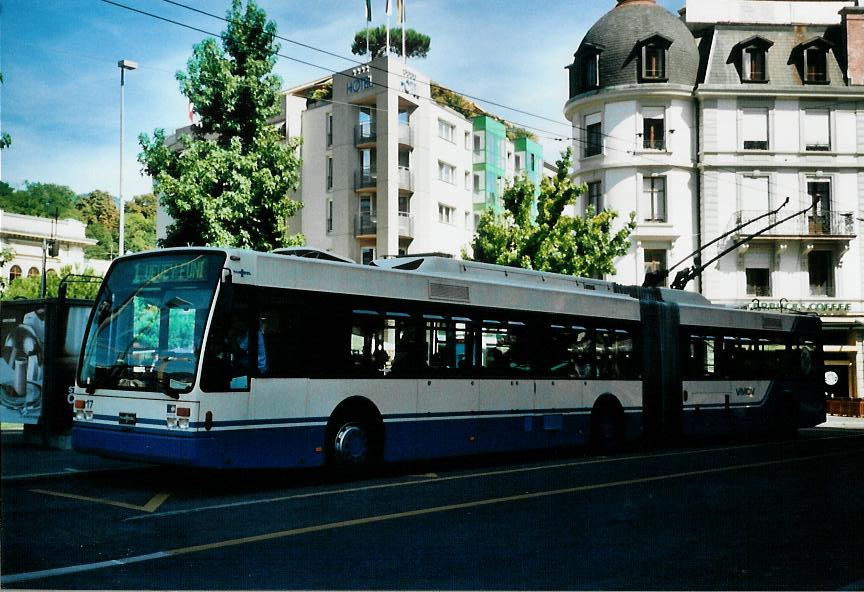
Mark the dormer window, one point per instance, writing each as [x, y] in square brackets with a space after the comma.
[585, 69]
[751, 59]
[815, 65]
[653, 58]
[812, 61]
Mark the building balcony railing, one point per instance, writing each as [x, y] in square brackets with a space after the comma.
[828, 225]
[406, 225]
[406, 179]
[365, 179]
[406, 135]
[478, 156]
[654, 144]
[365, 133]
[365, 225]
[485, 198]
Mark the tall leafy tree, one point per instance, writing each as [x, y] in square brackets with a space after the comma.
[102, 216]
[416, 44]
[141, 223]
[583, 246]
[227, 182]
[40, 199]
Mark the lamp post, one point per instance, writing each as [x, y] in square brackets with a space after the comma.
[123, 65]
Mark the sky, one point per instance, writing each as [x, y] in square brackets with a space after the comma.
[60, 98]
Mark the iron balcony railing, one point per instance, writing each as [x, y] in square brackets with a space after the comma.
[839, 224]
[365, 178]
[365, 132]
[365, 224]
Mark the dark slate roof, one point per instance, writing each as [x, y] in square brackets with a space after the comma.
[782, 64]
[618, 32]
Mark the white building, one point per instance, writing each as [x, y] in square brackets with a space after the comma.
[702, 123]
[387, 170]
[24, 235]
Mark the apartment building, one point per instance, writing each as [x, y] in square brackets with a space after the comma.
[705, 121]
[388, 170]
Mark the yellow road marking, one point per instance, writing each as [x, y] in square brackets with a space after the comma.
[484, 502]
[151, 506]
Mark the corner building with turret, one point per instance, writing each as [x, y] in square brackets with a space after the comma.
[704, 121]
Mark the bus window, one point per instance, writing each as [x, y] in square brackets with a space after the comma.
[369, 356]
[606, 348]
[449, 344]
[700, 359]
[409, 349]
[506, 350]
[568, 351]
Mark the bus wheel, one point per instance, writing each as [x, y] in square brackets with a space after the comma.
[607, 426]
[351, 444]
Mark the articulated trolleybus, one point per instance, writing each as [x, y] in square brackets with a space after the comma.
[230, 358]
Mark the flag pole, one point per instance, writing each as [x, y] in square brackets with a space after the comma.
[387, 10]
[368, 24]
[402, 22]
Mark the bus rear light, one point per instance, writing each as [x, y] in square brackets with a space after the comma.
[79, 404]
[183, 423]
[183, 412]
[171, 422]
[79, 414]
[88, 415]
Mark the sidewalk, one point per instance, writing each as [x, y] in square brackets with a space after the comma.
[849, 423]
[22, 460]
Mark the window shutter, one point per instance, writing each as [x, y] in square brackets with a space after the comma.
[755, 125]
[816, 128]
[754, 194]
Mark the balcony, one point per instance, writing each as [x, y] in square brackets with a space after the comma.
[485, 198]
[406, 180]
[406, 225]
[828, 225]
[365, 180]
[365, 225]
[653, 143]
[406, 136]
[365, 134]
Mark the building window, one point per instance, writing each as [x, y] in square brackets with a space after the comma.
[593, 135]
[654, 195]
[754, 64]
[446, 130]
[594, 196]
[404, 204]
[33, 272]
[329, 173]
[820, 266]
[14, 272]
[367, 255]
[754, 128]
[467, 140]
[329, 215]
[815, 65]
[533, 163]
[446, 213]
[517, 163]
[758, 281]
[653, 62]
[590, 71]
[653, 128]
[446, 172]
[404, 117]
[817, 130]
[655, 262]
[819, 192]
[329, 125]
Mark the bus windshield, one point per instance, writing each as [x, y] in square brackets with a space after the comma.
[146, 331]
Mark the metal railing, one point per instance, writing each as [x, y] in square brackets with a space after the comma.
[825, 224]
[365, 224]
[365, 178]
[365, 132]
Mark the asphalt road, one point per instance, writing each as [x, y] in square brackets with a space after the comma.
[724, 515]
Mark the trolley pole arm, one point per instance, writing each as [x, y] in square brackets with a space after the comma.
[683, 277]
[654, 279]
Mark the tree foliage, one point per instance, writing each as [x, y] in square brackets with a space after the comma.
[41, 199]
[29, 287]
[227, 183]
[416, 44]
[448, 98]
[574, 245]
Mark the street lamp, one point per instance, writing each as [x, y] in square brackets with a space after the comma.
[123, 65]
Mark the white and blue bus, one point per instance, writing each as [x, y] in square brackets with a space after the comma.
[230, 358]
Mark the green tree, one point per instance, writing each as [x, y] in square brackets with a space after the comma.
[6, 255]
[29, 287]
[582, 245]
[227, 183]
[141, 223]
[41, 199]
[416, 44]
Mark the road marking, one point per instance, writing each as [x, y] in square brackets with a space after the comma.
[35, 575]
[67, 472]
[151, 506]
[427, 479]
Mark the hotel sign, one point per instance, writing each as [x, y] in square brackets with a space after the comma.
[356, 85]
[822, 308]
